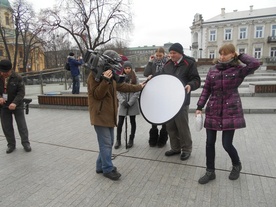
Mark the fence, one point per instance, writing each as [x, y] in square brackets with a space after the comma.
[49, 80]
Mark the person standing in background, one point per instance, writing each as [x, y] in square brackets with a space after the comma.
[129, 105]
[12, 92]
[75, 72]
[154, 66]
[224, 108]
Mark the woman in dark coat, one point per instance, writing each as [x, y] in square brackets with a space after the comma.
[224, 108]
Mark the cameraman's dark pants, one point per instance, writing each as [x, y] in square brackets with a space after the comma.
[7, 126]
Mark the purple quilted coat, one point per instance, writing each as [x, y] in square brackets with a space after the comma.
[224, 108]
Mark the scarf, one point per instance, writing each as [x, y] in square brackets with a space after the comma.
[160, 64]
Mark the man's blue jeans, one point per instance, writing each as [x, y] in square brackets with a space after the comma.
[76, 85]
[105, 137]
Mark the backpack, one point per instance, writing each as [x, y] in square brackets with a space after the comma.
[67, 66]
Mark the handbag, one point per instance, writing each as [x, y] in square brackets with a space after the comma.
[199, 122]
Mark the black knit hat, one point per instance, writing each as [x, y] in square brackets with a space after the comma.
[127, 64]
[177, 48]
[5, 65]
[71, 54]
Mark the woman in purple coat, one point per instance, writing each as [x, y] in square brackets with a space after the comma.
[224, 108]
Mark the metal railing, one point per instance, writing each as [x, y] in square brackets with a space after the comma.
[49, 80]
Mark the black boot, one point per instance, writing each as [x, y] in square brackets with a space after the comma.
[153, 137]
[118, 143]
[130, 142]
[163, 137]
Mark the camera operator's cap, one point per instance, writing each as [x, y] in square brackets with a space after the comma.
[177, 48]
[113, 54]
[5, 66]
[71, 54]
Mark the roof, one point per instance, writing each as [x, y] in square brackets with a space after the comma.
[5, 3]
[253, 13]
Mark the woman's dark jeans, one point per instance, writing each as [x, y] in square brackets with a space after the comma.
[227, 143]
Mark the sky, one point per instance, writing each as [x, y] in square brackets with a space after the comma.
[158, 22]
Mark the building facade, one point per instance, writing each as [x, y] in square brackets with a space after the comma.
[36, 56]
[252, 32]
[139, 56]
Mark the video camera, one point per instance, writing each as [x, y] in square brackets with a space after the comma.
[26, 102]
[99, 63]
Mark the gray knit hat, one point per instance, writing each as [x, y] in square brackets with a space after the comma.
[127, 64]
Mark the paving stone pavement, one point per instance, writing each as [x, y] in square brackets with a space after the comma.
[60, 170]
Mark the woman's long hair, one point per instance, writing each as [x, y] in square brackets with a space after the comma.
[131, 77]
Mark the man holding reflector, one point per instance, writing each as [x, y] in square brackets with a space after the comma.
[178, 78]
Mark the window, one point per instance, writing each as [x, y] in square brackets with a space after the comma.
[211, 54]
[273, 52]
[273, 31]
[241, 50]
[259, 31]
[1, 52]
[7, 19]
[243, 33]
[227, 34]
[257, 53]
[212, 35]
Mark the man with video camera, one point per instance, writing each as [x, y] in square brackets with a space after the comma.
[103, 84]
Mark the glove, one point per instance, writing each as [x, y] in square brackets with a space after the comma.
[125, 104]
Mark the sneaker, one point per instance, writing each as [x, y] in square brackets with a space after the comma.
[207, 177]
[113, 175]
[235, 173]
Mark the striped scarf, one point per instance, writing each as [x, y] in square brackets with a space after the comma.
[160, 64]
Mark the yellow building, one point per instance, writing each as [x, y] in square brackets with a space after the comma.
[36, 57]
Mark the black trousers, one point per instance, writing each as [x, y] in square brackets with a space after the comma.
[8, 129]
[227, 143]
[120, 126]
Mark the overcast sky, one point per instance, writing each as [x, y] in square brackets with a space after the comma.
[157, 22]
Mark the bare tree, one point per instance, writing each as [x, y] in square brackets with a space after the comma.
[4, 37]
[27, 30]
[7, 32]
[90, 23]
[56, 48]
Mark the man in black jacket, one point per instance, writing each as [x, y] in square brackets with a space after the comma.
[185, 69]
[12, 92]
